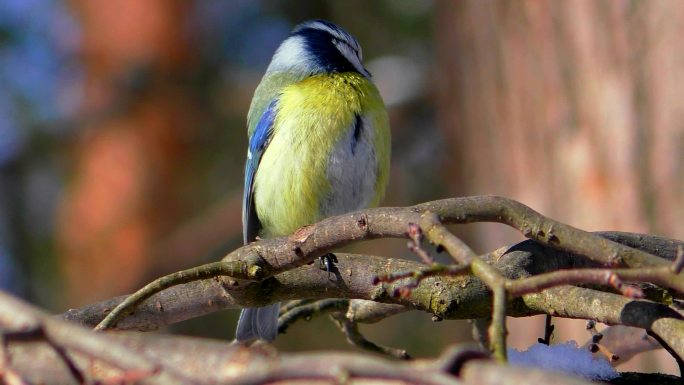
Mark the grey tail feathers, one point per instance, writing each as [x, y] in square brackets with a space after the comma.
[258, 323]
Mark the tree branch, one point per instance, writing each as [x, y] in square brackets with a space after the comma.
[449, 297]
[274, 262]
[308, 310]
[22, 322]
[234, 269]
[354, 337]
[268, 257]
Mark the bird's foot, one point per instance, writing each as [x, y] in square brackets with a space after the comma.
[327, 262]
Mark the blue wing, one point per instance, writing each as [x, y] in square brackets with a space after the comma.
[257, 145]
[256, 323]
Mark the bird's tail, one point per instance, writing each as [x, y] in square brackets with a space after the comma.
[258, 323]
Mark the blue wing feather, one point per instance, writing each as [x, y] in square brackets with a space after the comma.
[256, 323]
[257, 145]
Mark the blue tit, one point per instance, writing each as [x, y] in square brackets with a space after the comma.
[319, 144]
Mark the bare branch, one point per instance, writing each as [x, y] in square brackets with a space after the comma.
[463, 255]
[461, 297]
[211, 362]
[261, 260]
[354, 337]
[415, 236]
[576, 302]
[289, 305]
[19, 319]
[266, 258]
[604, 277]
[236, 270]
[308, 310]
[416, 276]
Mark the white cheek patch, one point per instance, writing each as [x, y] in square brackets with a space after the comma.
[351, 56]
[292, 53]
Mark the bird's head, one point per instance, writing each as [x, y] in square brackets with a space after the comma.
[318, 46]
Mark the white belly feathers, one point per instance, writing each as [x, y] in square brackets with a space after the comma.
[352, 171]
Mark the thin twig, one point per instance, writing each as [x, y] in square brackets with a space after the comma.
[497, 329]
[607, 277]
[669, 349]
[309, 310]
[354, 337]
[417, 276]
[438, 234]
[289, 305]
[661, 276]
[64, 356]
[234, 269]
[415, 235]
[348, 327]
[37, 333]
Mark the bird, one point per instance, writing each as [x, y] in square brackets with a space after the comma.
[319, 145]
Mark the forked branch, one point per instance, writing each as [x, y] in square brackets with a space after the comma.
[288, 257]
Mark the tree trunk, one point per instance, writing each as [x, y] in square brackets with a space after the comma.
[122, 193]
[574, 108]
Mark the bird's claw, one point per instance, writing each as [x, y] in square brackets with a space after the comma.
[327, 262]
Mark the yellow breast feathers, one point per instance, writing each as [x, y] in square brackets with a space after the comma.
[313, 115]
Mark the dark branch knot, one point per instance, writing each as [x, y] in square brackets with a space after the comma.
[362, 222]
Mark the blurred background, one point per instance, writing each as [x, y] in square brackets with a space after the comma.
[122, 134]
